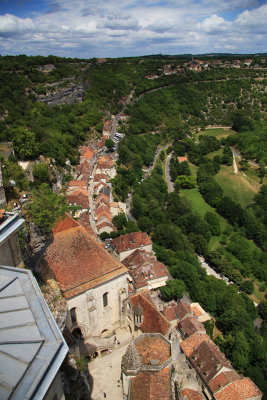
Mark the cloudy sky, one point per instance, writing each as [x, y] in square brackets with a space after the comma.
[115, 28]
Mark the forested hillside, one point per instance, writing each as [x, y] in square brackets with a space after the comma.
[213, 212]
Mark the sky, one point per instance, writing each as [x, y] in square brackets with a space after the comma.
[123, 28]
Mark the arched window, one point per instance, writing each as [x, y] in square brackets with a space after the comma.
[105, 299]
[73, 315]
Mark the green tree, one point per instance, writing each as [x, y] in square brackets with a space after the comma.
[109, 144]
[46, 207]
[173, 290]
[185, 182]
[24, 144]
[213, 221]
[13, 172]
[41, 174]
[247, 287]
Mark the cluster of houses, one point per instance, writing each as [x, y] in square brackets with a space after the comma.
[112, 294]
[200, 65]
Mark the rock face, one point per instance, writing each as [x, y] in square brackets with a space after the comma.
[70, 95]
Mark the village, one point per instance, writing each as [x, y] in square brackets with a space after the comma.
[135, 345]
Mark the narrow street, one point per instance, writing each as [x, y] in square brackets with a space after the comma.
[167, 174]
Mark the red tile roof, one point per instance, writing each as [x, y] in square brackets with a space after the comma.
[153, 348]
[189, 344]
[131, 241]
[154, 321]
[243, 389]
[144, 267]
[99, 177]
[190, 325]
[189, 394]
[182, 159]
[89, 154]
[179, 311]
[104, 214]
[208, 360]
[223, 379]
[151, 386]
[78, 261]
[101, 208]
[77, 183]
[64, 224]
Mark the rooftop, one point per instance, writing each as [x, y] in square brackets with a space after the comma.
[190, 325]
[9, 223]
[131, 241]
[154, 321]
[31, 345]
[151, 386]
[144, 267]
[243, 389]
[78, 261]
[190, 394]
[153, 349]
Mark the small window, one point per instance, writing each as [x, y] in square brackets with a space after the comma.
[73, 315]
[105, 299]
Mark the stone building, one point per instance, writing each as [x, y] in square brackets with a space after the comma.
[94, 284]
[124, 245]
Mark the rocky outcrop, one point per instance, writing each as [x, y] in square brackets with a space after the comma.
[69, 95]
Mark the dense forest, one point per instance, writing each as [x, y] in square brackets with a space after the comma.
[202, 216]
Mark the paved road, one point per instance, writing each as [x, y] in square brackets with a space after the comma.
[237, 154]
[211, 271]
[167, 174]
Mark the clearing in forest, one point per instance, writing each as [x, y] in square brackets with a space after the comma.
[237, 186]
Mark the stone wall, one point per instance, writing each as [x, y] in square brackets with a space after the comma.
[95, 319]
[70, 95]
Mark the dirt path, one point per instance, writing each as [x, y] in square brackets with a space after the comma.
[235, 165]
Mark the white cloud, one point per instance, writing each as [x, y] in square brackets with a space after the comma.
[110, 28]
[214, 24]
[10, 25]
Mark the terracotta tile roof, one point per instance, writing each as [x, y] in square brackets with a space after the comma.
[89, 154]
[189, 394]
[79, 197]
[151, 386]
[154, 321]
[208, 360]
[190, 325]
[101, 208]
[99, 177]
[131, 241]
[64, 224]
[83, 220]
[153, 348]
[222, 380]
[104, 214]
[181, 159]
[104, 159]
[84, 149]
[104, 224]
[196, 311]
[78, 261]
[77, 183]
[178, 311]
[144, 267]
[243, 389]
[188, 345]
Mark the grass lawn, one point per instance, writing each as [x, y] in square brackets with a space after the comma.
[215, 153]
[237, 186]
[219, 132]
[199, 205]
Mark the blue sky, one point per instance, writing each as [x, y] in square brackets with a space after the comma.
[116, 28]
